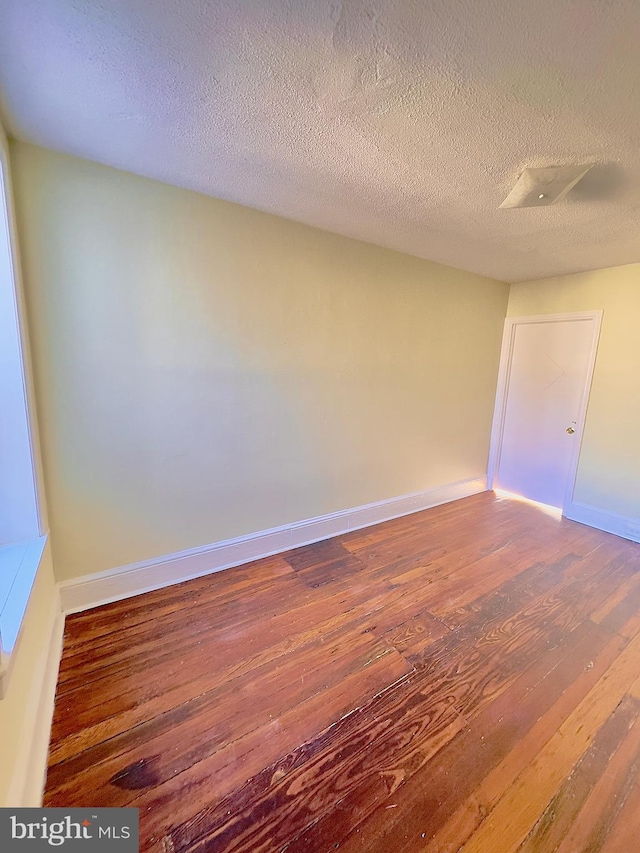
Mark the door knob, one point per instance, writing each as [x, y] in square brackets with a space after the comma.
[570, 430]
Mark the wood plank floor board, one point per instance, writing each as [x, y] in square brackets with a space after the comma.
[566, 696]
[607, 759]
[393, 733]
[238, 759]
[480, 745]
[623, 835]
[201, 724]
[99, 621]
[100, 698]
[172, 684]
[497, 740]
[600, 811]
[376, 712]
[231, 635]
[228, 769]
[516, 812]
[462, 679]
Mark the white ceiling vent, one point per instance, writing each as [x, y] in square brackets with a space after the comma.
[540, 187]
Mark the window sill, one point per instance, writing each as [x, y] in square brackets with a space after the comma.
[18, 569]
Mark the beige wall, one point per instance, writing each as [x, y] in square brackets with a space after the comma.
[24, 721]
[204, 370]
[609, 469]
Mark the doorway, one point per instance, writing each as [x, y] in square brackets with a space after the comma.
[544, 381]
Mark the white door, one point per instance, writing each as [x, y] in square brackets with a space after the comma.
[545, 378]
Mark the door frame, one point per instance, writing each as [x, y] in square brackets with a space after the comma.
[504, 375]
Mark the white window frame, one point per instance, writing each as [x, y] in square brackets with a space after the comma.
[23, 528]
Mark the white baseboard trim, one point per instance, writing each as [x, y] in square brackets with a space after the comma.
[29, 781]
[620, 525]
[114, 584]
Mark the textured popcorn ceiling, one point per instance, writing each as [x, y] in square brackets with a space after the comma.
[401, 123]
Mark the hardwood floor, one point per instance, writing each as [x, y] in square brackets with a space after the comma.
[465, 678]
